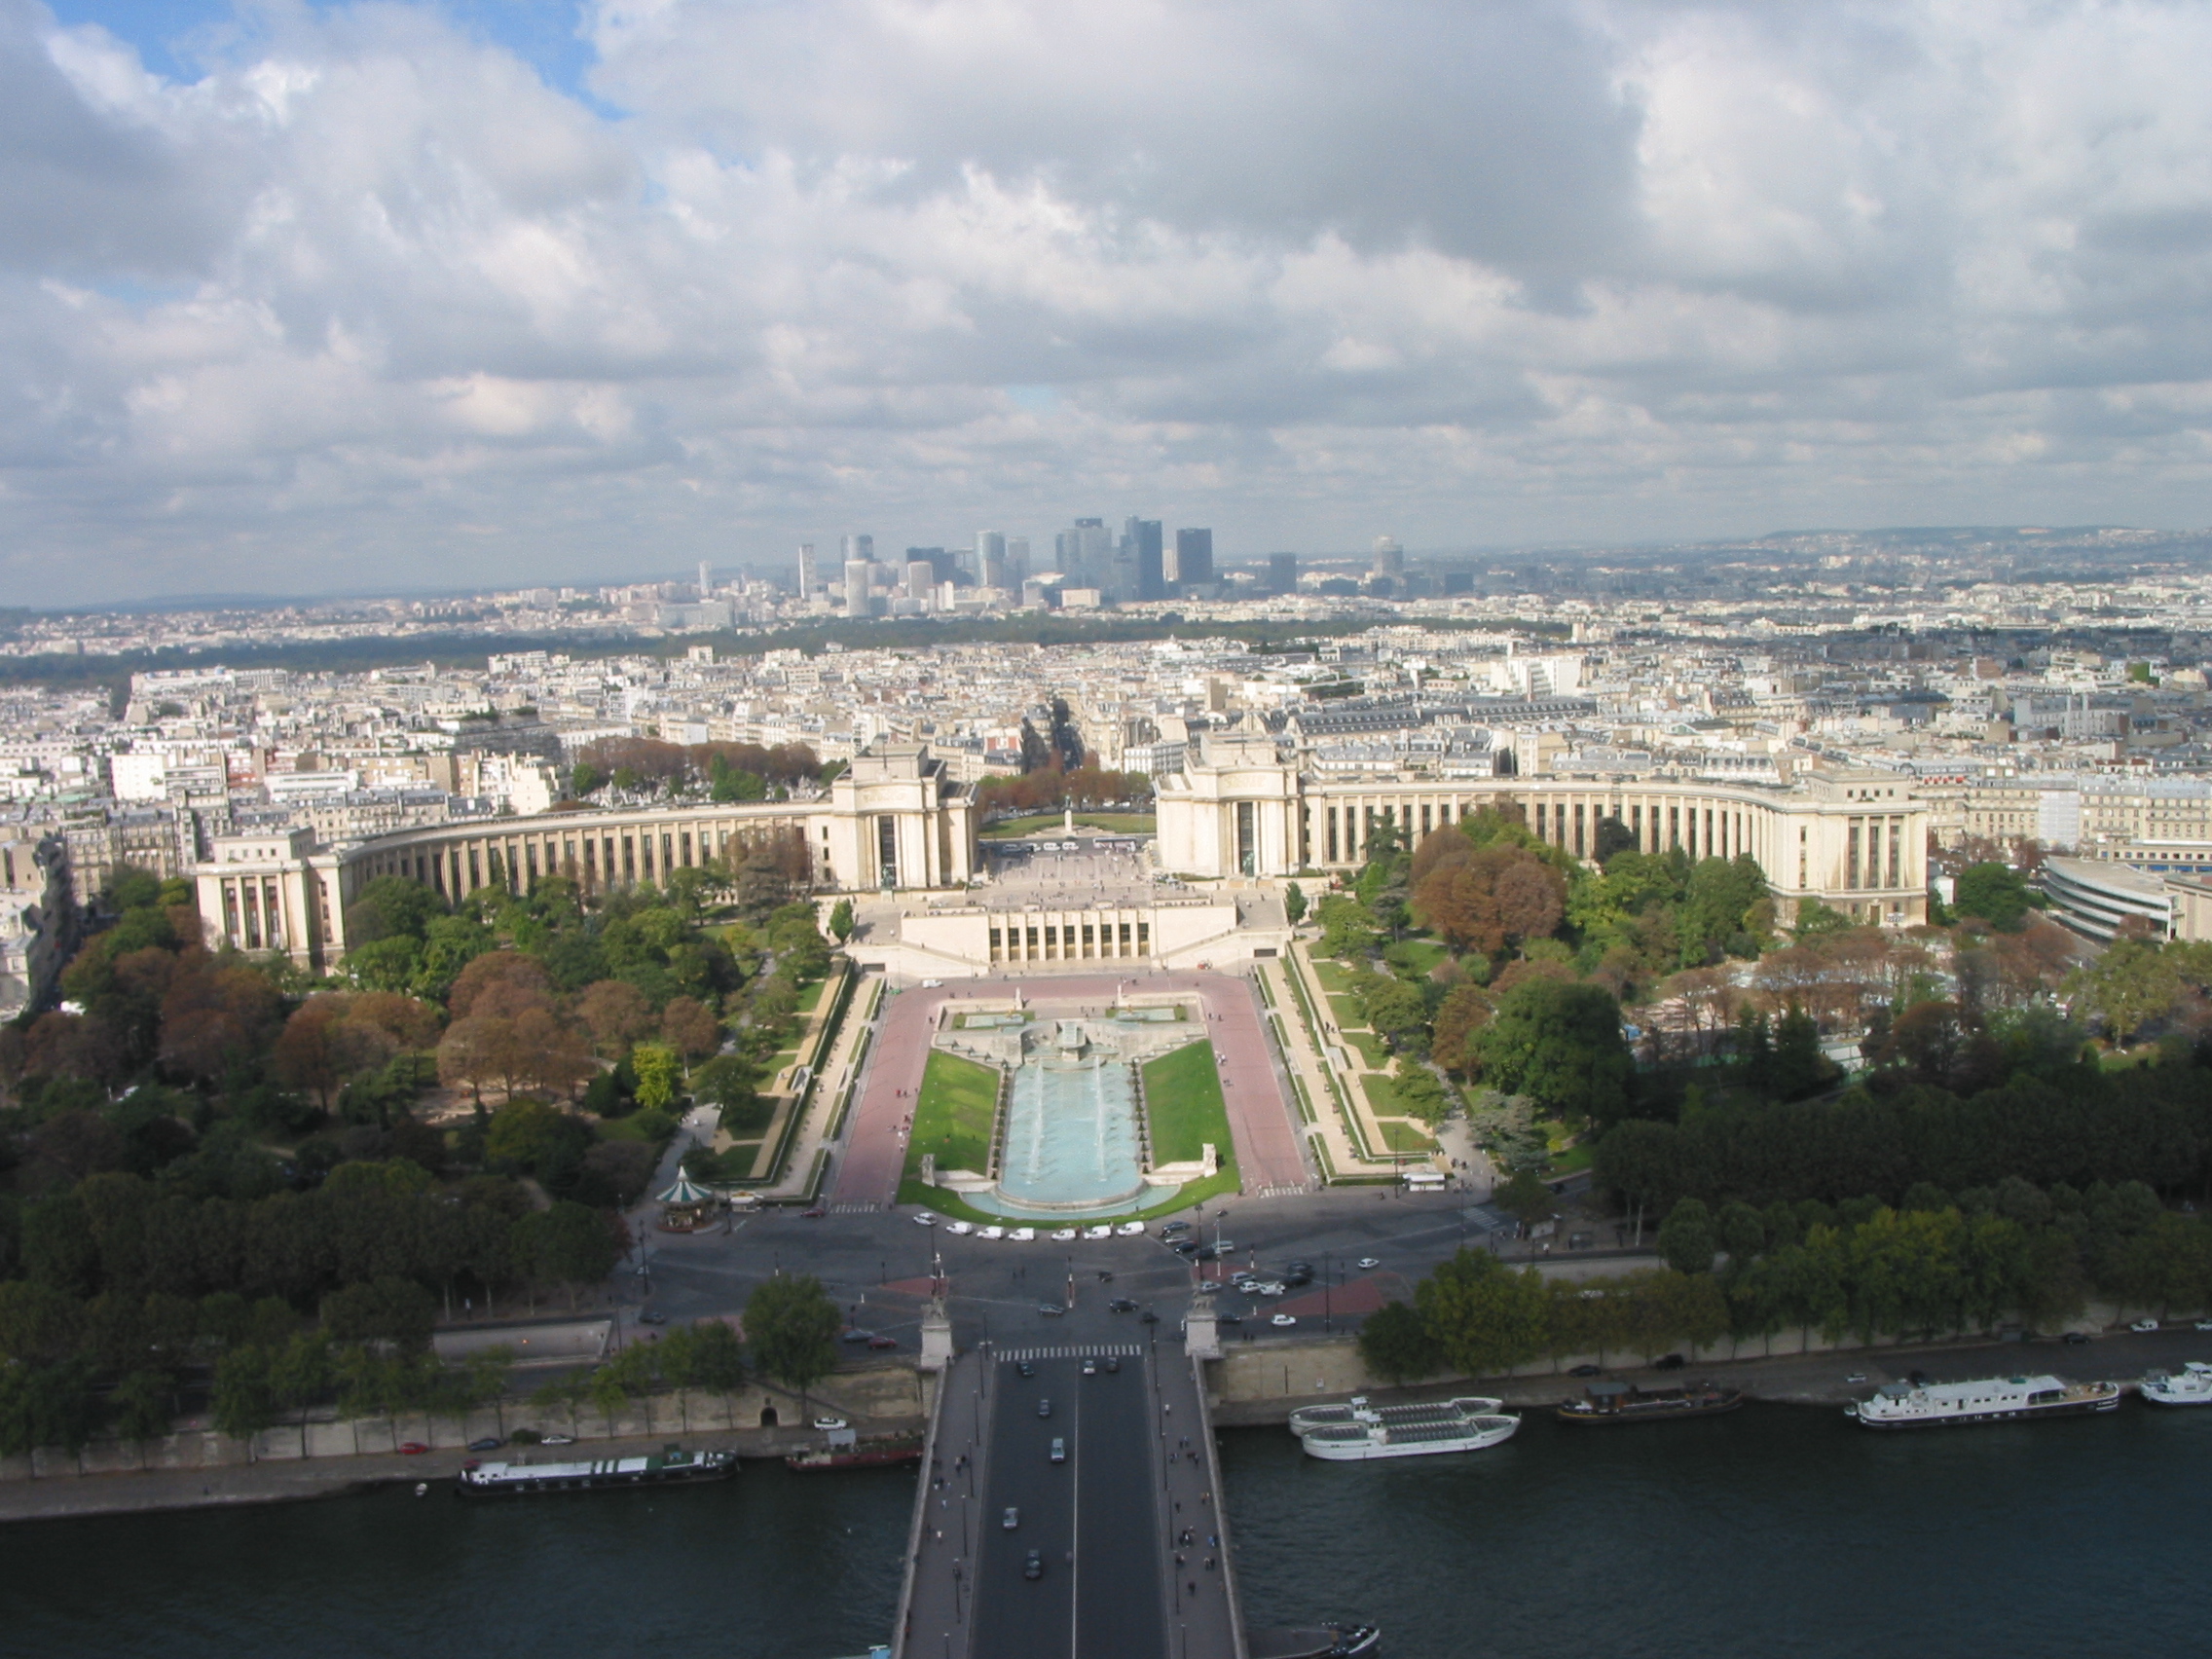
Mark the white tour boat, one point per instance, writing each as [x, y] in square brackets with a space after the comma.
[2193, 1388]
[1990, 1399]
[1357, 1432]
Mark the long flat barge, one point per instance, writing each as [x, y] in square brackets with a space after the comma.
[672, 1465]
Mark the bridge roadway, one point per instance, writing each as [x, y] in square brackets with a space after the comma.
[1109, 1521]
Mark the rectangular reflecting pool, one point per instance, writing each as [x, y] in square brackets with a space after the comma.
[1071, 1140]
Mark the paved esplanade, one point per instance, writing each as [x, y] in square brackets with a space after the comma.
[1125, 1525]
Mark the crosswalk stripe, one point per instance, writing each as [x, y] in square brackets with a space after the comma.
[1129, 1350]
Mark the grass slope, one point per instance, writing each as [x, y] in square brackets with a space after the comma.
[1115, 822]
[952, 1115]
[1182, 1094]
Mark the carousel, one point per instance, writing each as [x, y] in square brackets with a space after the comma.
[686, 1207]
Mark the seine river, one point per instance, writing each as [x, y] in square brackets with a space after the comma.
[1777, 1531]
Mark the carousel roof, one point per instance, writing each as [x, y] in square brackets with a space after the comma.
[685, 1192]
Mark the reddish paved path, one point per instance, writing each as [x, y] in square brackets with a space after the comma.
[1260, 1119]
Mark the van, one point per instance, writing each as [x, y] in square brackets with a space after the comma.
[1060, 1451]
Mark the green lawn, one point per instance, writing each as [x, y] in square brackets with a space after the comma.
[1399, 1135]
[1334, 977]
[1349, 1014]
[1372, 1047]
[1182, 1094]
[811, 995]
[954, 1113]
[1424, 955]
[1116, 823]
[1381, 1094]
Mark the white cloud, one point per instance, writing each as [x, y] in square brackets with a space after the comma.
[1615, 268]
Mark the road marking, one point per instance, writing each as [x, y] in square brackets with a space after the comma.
[1075, 1532]
[1130, 1350]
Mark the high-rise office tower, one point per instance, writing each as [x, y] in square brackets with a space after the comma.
[1389, 557]
[1084, 554]
[857, 574]
[1194, 558]
[706, 581]
[990, 558]
[861, 547]
[1144, 540]
[1017, 561]
[809, 578]
[1283, 572]
[921, 577]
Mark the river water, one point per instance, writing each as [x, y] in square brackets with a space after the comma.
[1779, 1531]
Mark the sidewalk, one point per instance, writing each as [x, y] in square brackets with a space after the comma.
[1344, 1151]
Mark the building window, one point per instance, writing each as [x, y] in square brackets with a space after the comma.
[887, 851]
[1247, 839]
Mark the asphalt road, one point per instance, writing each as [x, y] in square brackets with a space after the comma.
[1094, 1518]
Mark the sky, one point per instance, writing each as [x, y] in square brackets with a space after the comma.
[304, 298]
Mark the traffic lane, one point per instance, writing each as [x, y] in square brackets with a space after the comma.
[1013, 1616]
[1119, 1589]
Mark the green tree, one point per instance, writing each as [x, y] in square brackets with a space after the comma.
[705, 1355]
[1485, 1319]
[841, 920]
[143, 1405]
[2130, 985]
[1524, 1197]
[570, 1244]
[1816, 920]
[658, 1072]
[1687, 1238]
[1395, 1343]
[387, 1309]
[585, 779]
[1995, 892]
[1561, 1042]
[1797, 1067]
[1294, 904]
[299, 1374]
[244, 1401]
[792, 1327]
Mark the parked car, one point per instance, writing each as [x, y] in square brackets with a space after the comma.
[1099, 1232]
[1173, 1229]
[1228, 1319]
[1130, 1230]
[1033, 1564]
[1185, 1247]
[2077, 1337]
[2144, 1325]
[2204, 1324]
[1065, 1236]
[1149, 1318]
[1585, 1369]
[556, 1440]
[828, 1422]
[1010, 1519]
[1283, 1320]
[925, 1219]
[881, 1343]
[859, 1336]
[490, 1443]
[963, 1228]
[651, 1316]
[1022, 1235]
[412, 1448]
[1668, 1362]
[1855, 1379]
[990, 1233]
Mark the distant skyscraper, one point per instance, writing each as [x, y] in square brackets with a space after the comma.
[1283, 572]
[706, 581]
[861, 547]
[1194, 558]
[1017, 561]
[921, 577]
[1144, 540]
[1389, 557]
[857, 572]
[990, 558]
[1084, 554]
[809, 578]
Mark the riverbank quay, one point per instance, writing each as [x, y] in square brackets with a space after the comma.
[334, 1455]
[1262, 1388]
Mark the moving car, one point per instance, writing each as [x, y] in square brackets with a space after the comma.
[1171, 1229]
[1023, 1368]
[830, 1422]
[860, 1336]
[1091, 1368]
[1121, 1305]
[925, 1219]
[1051, 1309]
[651, 1316]
[1113, 1362]
[1010, 1519]
[1044, 1405]
[1059, 1453]
[1185, 1247]
[1283, 1320]
[1368, 1263]
[881, 1343]
[813, 1212]
[1033, 1565]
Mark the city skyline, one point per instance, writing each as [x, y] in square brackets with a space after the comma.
[505, 294]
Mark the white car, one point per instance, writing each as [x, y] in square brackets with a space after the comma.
[932, 985]
[1283, 1319]
[1269, 1287]
[1022, 1235]
[1065, 1236]
[963, 1228]
[1369, 1262]
[990, 1233]
[1098, 1232]
[828, 1422]
[925, 1219]
[1130, 1230]
[2204, 1324]
[2144, 1325]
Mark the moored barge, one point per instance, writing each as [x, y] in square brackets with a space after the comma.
[671, 1465]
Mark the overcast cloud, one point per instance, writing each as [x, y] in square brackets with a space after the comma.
[343, 297]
